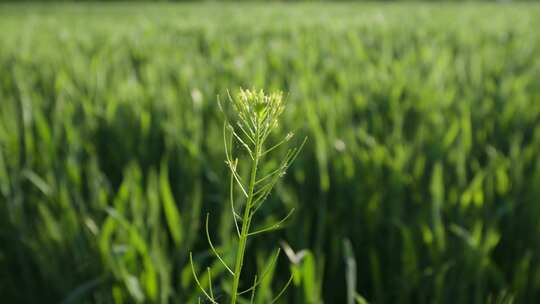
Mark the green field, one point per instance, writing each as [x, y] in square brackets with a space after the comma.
[423, 151]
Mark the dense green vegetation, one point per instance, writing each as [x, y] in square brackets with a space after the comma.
[419, 182]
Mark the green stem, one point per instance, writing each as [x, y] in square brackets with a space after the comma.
[245, 226]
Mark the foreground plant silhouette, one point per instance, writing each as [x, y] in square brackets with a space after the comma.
[255, 116]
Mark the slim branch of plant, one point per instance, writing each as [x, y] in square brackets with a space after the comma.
[255, 116]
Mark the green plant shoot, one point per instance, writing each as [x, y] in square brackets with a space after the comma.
[255, 116]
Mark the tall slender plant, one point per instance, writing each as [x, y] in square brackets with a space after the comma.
[255, 115]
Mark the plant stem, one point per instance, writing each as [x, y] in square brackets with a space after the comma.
[245, 225]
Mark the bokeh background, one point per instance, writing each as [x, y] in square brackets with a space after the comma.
[419, 182]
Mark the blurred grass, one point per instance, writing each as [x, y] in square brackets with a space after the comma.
[424, 148]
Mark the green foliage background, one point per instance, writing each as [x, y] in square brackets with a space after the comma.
[423, 151]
